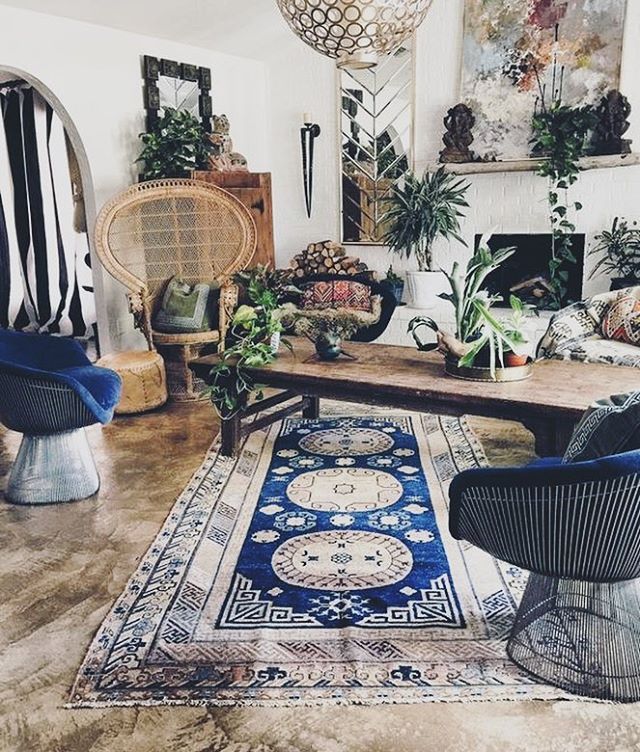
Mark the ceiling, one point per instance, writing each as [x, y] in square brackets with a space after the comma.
[249, 28]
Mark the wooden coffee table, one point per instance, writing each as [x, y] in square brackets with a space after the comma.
[549, 403]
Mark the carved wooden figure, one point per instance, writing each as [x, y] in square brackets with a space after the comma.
[612, 113]
[459, 122]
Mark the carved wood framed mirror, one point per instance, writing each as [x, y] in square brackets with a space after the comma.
[168, 83]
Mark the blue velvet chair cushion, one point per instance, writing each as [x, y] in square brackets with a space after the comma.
[610, 426]
[63, 361]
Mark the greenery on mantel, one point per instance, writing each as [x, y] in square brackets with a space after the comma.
[177, 144]
[619, 251]
[560, 134]
[531, 164]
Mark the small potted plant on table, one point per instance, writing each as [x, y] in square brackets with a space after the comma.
[420, 211]
[477, 350]
[514, 328]
[327, 329]
[396, 283]
[619, 249]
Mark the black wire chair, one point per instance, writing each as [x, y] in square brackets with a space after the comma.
[576, 528]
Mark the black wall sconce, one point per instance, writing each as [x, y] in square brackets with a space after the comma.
[308, 134]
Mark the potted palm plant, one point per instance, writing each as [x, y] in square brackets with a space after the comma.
[477, 349]
[421, 210]
[619, 249]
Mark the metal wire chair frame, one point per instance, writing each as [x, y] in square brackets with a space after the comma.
[576, 528]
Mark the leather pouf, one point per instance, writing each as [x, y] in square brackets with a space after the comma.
[144, 380]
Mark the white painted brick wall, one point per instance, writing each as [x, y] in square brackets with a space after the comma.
[301, 80]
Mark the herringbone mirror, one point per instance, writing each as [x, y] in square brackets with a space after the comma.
[377, 141]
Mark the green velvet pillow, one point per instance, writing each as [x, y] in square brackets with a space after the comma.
[185, 308]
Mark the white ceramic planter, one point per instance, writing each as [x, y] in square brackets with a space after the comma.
[424, 288]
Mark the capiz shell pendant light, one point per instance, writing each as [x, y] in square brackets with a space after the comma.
[354, 32]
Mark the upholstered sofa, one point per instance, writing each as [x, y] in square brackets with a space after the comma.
[575, 333]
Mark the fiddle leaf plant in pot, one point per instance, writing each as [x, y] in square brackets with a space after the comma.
[480, 340]
[254, 326]
[619, 251]
[176, 145]
[420, 210]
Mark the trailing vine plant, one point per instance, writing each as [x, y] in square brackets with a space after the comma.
[249, 346]
[559, 136]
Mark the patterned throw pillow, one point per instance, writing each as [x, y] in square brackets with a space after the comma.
[610, 426]
[339, 293]
[185, 308]
[622, 320]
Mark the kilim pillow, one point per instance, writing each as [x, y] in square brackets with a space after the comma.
[610, 426]
[622, 320]
[339, 293]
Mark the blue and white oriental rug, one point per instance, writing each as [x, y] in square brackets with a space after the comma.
[316, 568]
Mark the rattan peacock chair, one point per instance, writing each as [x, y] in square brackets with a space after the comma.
[156, 230]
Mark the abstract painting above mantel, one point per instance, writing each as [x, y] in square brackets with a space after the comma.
[508, 57]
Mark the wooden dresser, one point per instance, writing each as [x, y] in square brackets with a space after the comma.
[253, 189]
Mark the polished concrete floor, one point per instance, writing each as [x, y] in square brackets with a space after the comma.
[62, 567]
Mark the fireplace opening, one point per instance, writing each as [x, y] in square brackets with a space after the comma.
[526, 273]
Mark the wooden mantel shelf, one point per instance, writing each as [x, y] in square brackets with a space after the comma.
[530, 165]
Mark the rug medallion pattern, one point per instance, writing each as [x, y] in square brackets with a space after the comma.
[315, 568]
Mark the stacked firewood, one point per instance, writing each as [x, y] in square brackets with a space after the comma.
[327, 257]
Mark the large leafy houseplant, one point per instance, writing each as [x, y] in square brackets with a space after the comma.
[420, 210]
[177, 144]
[619, 251]
[478, 331]
[253, 326]
[560, 137]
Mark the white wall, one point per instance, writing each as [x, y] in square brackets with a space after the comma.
[95, 72]
[300, 79]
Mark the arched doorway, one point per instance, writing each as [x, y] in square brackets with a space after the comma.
[81, 165]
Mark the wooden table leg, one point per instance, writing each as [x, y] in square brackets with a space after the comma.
[551, 437]
[563, 433]
[230, 436]
[312, 410]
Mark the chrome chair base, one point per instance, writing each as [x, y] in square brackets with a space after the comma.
[581, 636]
[52, 469]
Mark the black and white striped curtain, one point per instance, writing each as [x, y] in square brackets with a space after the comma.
[45, 276]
